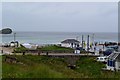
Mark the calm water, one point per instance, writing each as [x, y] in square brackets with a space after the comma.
[56, 37]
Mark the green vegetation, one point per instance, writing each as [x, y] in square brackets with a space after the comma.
[45, 67]
[37, 67]
[55, 49]
[89, 68]
[50, 49]
[20, 49]
[0, 66]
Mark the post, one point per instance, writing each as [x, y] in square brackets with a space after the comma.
[23, 53]
[77, 38]
[88, 43]
[39, 52]
[82, 41]
[14, 38]
[2, 51]
[46, 53]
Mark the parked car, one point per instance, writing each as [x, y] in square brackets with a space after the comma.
[108, 51]
[102, 59]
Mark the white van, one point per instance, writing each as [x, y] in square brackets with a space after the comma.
[102, 59]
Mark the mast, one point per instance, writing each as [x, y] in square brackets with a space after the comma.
[14, 37]
[82, 41]
[88, 43]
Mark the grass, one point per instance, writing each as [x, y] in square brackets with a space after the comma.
[56, 49]
[36, 67]
[20, 49]
[0, 66]
[92, 69]
[49, 48]
[36, 71]
[45, 67]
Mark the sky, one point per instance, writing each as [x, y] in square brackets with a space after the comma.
[60, 16]
[0, 15]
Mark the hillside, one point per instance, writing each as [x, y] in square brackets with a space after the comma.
[30, 66]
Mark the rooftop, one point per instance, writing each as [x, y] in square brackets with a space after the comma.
[70, 41]
[114, 56]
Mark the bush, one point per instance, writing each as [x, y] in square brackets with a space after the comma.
[20, 49]
[56, 49]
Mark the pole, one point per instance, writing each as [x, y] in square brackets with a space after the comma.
[93, 38]
[82, 41]
[93, 43]
[77, 38]
[14, 38]
[88, 43]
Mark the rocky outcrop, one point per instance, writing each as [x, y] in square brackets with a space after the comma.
[6, 31]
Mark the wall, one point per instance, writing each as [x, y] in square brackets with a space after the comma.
[65, 45]
[110, 68]
[117, 65]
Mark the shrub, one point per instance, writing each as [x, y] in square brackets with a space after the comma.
[56, 49]
[20, 49]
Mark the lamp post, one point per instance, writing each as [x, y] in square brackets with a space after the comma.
[93, 37]
[88, 43]
[82, 41]
[93, 43]
[14, 38]
[77, 38]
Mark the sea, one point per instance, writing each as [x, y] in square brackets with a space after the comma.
[57, 37]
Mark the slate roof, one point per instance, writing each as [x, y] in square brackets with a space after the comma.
[71, 41]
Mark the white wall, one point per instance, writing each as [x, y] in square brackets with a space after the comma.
[12, 44]
[65, 45]
[110, 68]
[117, 65]
[119, 48]
[77, 51]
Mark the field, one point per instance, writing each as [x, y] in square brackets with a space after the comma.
[0, 66]
[49, 48]
[30, 66]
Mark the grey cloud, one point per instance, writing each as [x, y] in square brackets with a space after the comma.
[73, 17]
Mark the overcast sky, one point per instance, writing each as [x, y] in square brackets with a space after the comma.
[61, 16]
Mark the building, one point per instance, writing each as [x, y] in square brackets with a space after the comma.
[77, 50]
[30, 46]
[14, 44]
[113, 62]
[72, 43]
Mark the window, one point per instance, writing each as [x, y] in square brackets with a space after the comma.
[114, 63]
[108, 63]
[111, 63]
[101, 58]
